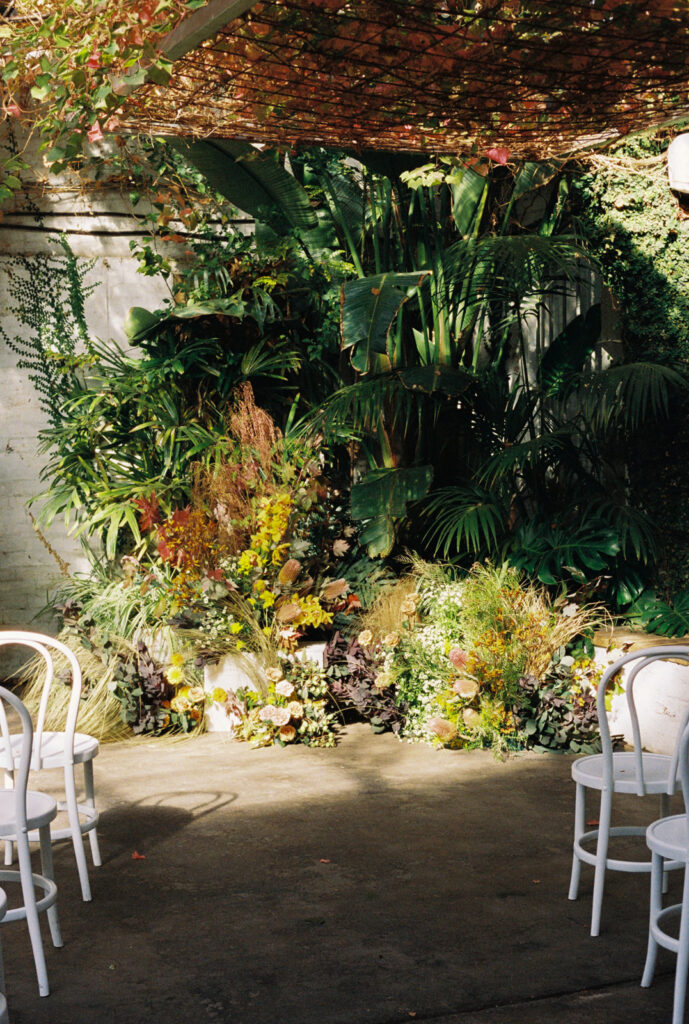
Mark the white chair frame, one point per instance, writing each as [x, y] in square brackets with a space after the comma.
[613, 772]
[668, 841]
[82, 817]
[20, 811]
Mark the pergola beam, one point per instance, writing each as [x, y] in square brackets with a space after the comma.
[201, 25]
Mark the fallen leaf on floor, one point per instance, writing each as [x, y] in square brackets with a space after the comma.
[324, 860]
[593, 821]
[138, 856]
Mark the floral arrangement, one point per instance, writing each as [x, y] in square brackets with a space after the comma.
[294, 709]
[481, 661]
[247, 564]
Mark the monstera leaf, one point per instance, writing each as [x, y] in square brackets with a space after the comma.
[381, 498]
[369, 307]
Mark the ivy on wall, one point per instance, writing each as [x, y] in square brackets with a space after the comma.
[639, 232]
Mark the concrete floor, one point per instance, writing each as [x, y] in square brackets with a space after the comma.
[376, 883]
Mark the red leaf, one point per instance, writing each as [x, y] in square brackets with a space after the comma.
[94, 134]
[138, 856]
[498, 154]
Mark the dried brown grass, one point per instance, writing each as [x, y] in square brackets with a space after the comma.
[229, 489]
[385, 615]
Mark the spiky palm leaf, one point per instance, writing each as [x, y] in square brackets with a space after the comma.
[360, 406]
[465, 518]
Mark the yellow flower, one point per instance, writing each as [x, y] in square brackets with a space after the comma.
[236, 627]
[177, 659]
[180, 704]
[240, 645]
[268, 598]
[259, 585]
[175, 676]
[219, 695]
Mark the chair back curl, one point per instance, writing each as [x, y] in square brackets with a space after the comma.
[43, 645]
[644, 659]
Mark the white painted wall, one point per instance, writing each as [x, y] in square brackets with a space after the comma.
[96, 225]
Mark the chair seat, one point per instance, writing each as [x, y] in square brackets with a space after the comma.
[40, 810]
[669, 837]
[589, 771]
[53, 749]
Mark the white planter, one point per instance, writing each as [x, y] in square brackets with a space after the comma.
[240, 671]
[661, 697]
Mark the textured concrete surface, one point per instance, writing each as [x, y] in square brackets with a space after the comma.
[376, 883]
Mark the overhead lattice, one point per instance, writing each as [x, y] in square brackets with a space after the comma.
[536, 77]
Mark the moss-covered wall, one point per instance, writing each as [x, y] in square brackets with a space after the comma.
[639, 232]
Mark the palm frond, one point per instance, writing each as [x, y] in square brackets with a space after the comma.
[628, 395]
[464, 519]
[361, 405]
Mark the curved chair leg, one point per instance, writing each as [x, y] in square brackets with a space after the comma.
[77, 837]
[91, 803]
[655, 908]
[29, 894]
[9, 845]
[579, 824]
[682, 958]
[601, 858]
[48, 872]
[664, 812]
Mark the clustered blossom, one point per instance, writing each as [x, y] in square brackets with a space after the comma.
[294, 710]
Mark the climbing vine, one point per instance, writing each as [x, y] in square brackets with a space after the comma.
[639, 233]
[48, 294]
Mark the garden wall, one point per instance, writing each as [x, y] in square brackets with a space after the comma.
[97, 226]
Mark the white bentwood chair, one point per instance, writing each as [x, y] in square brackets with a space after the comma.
[631, 771]
[668, 841]
[4, 1018]
[21, 811]
[62, 750]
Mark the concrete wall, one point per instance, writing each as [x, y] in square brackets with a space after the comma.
[98, 226]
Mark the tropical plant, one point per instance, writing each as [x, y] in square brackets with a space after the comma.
[545, 481]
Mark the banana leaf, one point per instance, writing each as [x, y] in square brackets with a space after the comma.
[369, 308]
[253, 180]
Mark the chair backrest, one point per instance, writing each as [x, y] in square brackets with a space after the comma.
[639, 660]
[21, 771]
[44, 646]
